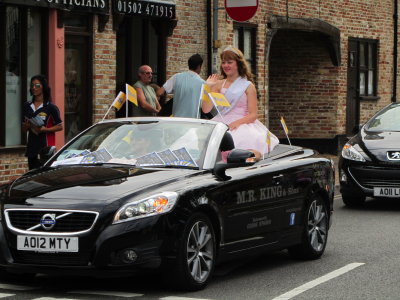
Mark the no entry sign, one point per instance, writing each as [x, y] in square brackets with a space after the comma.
[241, 10]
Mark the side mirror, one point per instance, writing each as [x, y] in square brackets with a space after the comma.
[236, 158]
[357, 128]
[239, 156]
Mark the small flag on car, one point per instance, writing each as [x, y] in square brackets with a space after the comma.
[131, 94]
[205, 90]
[119, 100]
[219, 99]
[284, 125]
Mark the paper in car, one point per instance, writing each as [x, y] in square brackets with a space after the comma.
[69, 161]
[184, 157]
[149, 160]
[101, 155]
[168, 157]
[36, 121]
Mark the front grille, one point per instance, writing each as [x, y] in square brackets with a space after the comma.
[371, 176]
[51, 259]
[66, 221]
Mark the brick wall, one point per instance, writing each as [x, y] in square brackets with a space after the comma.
[12, 165]
[303, 86]
[104, 69]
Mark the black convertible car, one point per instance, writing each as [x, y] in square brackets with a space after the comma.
[370, 162]
[137, 193]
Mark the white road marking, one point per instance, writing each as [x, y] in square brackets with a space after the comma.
[17, 287]
[181, 298]
[106, 293]
[314, 283]
[2, 295]
[51, 298]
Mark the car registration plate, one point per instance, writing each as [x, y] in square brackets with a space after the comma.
[47, 243]
[389, 192]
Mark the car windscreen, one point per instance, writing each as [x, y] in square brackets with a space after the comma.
[387, 119]
[150, 143]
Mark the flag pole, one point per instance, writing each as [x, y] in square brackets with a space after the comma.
[126, 102]
[200, 100]
[216, 107]
[107, 112]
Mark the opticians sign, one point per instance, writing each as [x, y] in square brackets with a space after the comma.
[241, 10]
[156, 9]
[95, 6]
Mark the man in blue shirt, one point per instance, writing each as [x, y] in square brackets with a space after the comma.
[186, 87]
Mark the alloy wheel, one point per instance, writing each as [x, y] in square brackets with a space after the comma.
[200, 251]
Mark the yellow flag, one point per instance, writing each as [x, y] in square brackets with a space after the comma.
[206, 90]
[132, 95]
[119, 100]
[284, 125]
[219, 99]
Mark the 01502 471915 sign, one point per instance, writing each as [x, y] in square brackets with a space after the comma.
[152, 9]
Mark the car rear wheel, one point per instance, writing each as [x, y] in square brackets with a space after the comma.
[353, 200]
[315, 233]
[195, 262]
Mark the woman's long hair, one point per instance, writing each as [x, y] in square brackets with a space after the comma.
[231, 53]
[45, 88]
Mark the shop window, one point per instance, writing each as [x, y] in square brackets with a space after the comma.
[245, 39]
[367, 68]
[22, 31]
[77, 77]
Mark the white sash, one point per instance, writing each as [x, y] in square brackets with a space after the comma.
[234, 92]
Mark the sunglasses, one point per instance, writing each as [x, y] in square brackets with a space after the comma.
[36, 85]
[147, 73]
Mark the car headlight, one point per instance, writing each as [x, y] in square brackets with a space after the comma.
[349, 152]
[154, 205]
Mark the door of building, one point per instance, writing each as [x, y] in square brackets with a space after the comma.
[78, 74]
[353, 99]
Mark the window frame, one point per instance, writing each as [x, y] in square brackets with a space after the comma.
[23, 14]
[367, 44]
[242, 27]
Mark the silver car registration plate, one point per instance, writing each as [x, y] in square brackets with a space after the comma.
[389, 192]
[47, 243]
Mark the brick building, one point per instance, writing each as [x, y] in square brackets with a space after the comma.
[324, 66]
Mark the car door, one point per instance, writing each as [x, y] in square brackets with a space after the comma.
[258, 204]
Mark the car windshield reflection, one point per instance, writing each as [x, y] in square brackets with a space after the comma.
[154, 143]
[387, 120]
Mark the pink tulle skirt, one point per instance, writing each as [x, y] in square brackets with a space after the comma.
[250, 136]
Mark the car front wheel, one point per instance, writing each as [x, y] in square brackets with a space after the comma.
[315, 233]
[195, 262]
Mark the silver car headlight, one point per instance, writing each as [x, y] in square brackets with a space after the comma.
[351, 153]
[154, 205]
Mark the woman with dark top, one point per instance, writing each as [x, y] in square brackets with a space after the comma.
[41, 120]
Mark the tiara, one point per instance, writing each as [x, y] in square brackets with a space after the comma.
[230, 48]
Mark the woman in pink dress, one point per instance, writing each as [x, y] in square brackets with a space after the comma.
[241, 117]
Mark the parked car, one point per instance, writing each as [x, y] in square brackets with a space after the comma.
[136, 193]
[370, 162]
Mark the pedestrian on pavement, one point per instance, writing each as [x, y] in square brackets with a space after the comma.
[41, 120]
[147, 98]
[186, 87]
